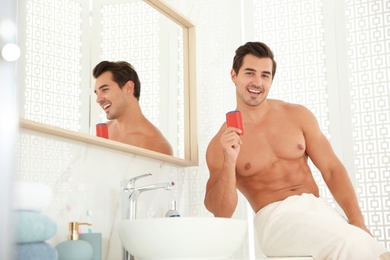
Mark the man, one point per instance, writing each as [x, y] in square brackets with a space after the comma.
[117, 90]
[268, 165]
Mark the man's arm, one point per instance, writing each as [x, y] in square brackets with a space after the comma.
[332, 170]
[221, 156]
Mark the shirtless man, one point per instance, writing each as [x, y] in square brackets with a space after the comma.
[117, 90]
[268, 165]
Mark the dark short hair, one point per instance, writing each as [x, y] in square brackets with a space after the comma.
[257, 49]
[122, 72]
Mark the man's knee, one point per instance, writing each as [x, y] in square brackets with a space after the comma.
[362, 247]
[385, 256]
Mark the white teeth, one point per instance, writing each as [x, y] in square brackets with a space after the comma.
[254, 91]
[106, 106]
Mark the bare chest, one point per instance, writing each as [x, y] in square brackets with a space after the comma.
[266, 147]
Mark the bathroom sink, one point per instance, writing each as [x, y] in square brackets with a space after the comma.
[182, 238]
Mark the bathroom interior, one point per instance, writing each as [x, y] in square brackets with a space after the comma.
[332, 56]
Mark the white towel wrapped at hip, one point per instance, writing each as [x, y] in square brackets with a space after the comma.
[32, 196]
[304, 225]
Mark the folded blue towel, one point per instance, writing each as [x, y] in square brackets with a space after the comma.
[35, 251]
[33, 226]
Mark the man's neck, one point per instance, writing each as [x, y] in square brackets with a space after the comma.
[254, 113]
[130, 120]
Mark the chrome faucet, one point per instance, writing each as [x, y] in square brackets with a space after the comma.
[129, 195]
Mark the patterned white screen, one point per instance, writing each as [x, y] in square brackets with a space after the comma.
[130, 32]
[368, 37]
[52, 62]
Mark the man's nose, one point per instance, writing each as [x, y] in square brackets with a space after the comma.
[99, 98]
[257, 81]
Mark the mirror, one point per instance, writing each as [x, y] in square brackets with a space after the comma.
[62, 41]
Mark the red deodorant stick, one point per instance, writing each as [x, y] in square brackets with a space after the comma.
[102, 130]
[233, 118]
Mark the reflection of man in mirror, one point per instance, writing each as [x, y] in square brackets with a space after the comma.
[117, 90]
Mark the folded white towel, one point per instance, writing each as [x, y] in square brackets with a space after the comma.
[32, 196]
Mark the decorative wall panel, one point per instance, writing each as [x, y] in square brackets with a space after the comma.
[130, 32]
[53, 53]
[368, 37]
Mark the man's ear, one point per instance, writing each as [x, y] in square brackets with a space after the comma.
[129, 87]
[233, 75]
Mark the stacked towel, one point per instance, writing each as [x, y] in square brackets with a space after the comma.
[36, 251]
[32, 196]
[32, 227]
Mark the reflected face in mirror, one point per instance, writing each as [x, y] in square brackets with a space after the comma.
[108, 92]
[117, 90]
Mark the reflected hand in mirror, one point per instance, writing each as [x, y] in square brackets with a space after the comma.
[117, 90]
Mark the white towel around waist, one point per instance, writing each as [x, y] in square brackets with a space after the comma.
[304, 225]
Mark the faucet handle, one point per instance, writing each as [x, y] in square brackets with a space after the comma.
[130, 183]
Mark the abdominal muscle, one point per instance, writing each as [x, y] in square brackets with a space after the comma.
[282, 178]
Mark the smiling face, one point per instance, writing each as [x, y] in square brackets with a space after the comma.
[253, 80]
[110, 96]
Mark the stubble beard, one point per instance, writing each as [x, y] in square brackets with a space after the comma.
[254, 102]
[111, 115]
[117, 111]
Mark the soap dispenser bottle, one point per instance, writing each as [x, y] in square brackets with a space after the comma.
[73, 248]
[172, 212]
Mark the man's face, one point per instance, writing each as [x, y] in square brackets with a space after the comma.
[109, 95]
[253, 80]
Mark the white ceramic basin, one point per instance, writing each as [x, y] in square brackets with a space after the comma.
[182, 238]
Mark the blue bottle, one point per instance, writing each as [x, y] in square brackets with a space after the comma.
[73, 248]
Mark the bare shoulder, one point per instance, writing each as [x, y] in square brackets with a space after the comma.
[214, 149]
[298, 112]
[161, 145]
[291, 107]
[156, 140]
[214, 142]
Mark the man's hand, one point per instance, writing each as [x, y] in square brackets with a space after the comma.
[231, 143]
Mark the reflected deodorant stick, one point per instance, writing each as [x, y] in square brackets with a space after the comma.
[102, 130]
[233, 118]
